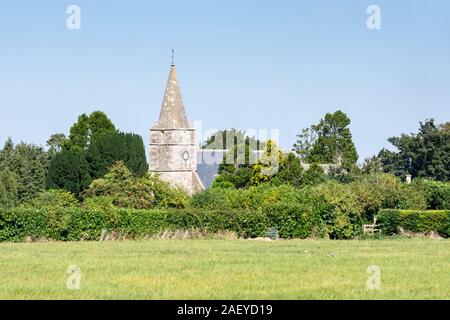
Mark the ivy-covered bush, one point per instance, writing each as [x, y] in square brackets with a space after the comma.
[420, 221]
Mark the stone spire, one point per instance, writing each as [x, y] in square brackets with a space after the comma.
[173, 115]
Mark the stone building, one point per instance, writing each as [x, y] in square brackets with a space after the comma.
[173, 146]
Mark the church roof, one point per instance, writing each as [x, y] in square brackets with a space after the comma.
[172, 114]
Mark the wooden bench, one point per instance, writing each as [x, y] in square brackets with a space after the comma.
[372, 228]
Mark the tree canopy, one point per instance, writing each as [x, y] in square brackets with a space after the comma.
[93, 146]
[69, 170]
[8, 188]
[109, 148]
[425, 154]
[87, 129]
[235, 171]
[328, 142]
[28, 163]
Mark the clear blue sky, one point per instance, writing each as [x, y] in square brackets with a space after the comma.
[243, 64]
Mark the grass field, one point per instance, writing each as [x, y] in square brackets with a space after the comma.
[227, 269]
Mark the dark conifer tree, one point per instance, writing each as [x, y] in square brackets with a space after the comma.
[69, 170]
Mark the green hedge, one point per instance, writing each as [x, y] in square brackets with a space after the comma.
[72, 224]
[415, 221]
[290, 221]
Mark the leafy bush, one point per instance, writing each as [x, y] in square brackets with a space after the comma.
[290, 221]
[253, 198]
[210, 199]
[437, 193]
[50, 206]
[342, 208]
[129, 191]
[346, 209]
[52, 200]
[420, 221]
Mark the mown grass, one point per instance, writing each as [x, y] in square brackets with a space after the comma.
[227, 269]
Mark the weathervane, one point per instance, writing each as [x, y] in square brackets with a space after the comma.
[173, 57]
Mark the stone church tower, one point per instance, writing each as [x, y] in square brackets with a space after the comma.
[173, 147]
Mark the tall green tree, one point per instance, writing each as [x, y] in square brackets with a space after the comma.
[89, 128]
[93, 146]
[136, 160]
[109, 148]
[69, 170]
[55, 143]
[305, 143]
[328, 142]
[79, 134]
[425, 154]
[29, 163]
[9, 185]
[99, 124]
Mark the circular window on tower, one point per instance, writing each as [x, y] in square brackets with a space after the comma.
[185, 156]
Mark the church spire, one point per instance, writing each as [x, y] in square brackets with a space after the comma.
[172, 114]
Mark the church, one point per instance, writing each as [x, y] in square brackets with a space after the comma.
[173, 144]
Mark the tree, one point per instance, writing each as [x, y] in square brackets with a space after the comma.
[55, 143]
[89, 128]
[291, 171]
[236, 167]
[241, 148]
[328, 142]
[136, 160]
[79, 134]
[334, 141]
[111, 147]
[95, 139]
[99, 124]
[268, 164]
[69, 170]
[8, 189]
[445, 127]
[29, 163]
[424, 155]
[305, 143]
[372, 165]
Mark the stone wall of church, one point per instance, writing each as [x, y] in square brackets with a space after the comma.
[173, 136]
[173, 150]
[188, 180]
[173, 158]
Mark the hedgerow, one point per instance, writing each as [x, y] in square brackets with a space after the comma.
[73, 224]
[419, 221]
[81, 223]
